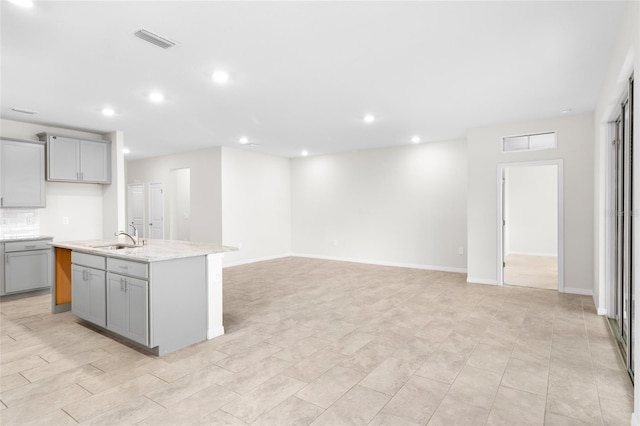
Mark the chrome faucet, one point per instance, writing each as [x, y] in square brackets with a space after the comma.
[135, 231]
[133, 238]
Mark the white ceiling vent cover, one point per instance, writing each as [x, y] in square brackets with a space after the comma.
[154, 38]
[24, 110]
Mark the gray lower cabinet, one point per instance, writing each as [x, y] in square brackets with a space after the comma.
[27, 266]
[160, 305]
[88, 294]
[27, 270]
[128, 307]
[2, 291]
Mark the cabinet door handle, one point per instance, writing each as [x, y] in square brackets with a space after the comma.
[121, 284]
[29, 247]
[126, 285]
[2, 201]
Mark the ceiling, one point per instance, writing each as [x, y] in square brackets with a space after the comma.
[302, 74]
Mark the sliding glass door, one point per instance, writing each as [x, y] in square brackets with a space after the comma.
[622, 318]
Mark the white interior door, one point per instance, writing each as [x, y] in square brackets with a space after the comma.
[156, 210]
[135, 207]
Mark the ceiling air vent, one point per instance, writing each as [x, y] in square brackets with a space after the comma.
[154, 38]
[24, 110]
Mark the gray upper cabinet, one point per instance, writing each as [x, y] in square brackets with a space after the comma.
[77, 160]
[21, 173]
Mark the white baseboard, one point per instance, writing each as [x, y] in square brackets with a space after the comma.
[518, 253]
[485, 281]
[215, 332]
[602, 311]
[259, 259]
[580, 291]
[383, 263]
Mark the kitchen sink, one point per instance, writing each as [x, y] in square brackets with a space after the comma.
[116, 246]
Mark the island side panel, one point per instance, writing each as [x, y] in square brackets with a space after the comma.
[178, 303]
[61, 291]
[215, 326]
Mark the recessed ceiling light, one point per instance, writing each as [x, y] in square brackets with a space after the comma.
[415, 139]
[243, 140]
[156, 97]
[369, 118]
[220, 77]
[108, 112]
[126, 151]
[22, 3]
[304, 153]
[566, 111]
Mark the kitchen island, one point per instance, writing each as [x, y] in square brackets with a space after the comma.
[163, 295]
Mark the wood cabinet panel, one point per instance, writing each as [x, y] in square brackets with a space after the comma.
[63, 276]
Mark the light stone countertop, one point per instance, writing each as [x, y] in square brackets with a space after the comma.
[12, 238]
[153, 250]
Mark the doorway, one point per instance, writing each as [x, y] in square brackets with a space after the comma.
[530, 225]
[135, 207]
[156, 210]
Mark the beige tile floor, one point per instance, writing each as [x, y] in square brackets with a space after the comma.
[329, 343]
[531, 271]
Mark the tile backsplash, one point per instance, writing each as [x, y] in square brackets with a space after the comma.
[19, 223]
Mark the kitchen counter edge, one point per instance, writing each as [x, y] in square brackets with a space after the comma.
[153, 251]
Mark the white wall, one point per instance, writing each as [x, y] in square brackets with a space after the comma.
[575, 148]
[180, 205]
[256, 205]
[531, 210]
[82, 203]
[114, 195]
[402, 206]
[206, 207]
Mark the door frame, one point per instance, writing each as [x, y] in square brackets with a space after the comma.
[500, 216]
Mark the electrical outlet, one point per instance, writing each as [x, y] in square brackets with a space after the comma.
[336, 243]
[65, 220]
[460, 250]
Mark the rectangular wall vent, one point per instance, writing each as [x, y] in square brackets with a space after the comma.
[529, 142]
[154, 39]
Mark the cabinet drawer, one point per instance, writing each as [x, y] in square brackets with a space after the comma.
[90, 260]
[26, 245]
[126, 267]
